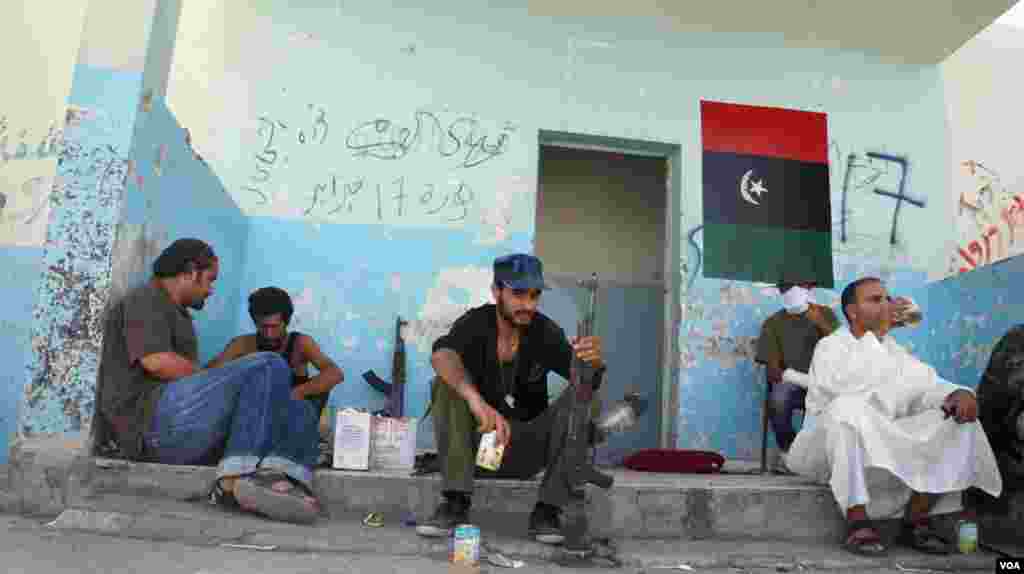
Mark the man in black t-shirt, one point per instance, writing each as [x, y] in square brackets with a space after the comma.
[491, 372]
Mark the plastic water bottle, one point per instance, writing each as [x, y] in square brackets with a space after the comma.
[967, 536]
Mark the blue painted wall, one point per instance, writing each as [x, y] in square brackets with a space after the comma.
[969, 313]
[19, 277]
[172, 193]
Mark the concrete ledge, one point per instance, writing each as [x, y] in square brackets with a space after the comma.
[48, 476]
[45, 473]
[641, 505]
[203, 525]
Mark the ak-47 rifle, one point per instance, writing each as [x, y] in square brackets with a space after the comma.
[583, 379]
[395, 390]
[577, 461]
[398, 373]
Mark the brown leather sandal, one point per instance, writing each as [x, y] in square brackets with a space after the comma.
[868, 543]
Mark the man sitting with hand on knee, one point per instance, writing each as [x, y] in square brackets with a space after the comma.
[885, 431]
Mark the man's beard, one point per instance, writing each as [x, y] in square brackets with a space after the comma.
[265, 344]
[511, 317]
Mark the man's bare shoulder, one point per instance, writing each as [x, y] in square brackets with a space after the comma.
[244, 344]
[306, 342]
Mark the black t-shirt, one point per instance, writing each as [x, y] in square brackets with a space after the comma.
[543, 348]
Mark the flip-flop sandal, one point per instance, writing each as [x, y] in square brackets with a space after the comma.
[222, 498]
[277, 496]
[924, 539]
[870, 545]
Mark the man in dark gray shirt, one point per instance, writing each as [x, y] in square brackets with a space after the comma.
[787, 341]
[160, 406]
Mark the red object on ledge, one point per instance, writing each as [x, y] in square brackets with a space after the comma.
[675, 461]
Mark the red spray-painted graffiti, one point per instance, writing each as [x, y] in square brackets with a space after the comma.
[996, 241]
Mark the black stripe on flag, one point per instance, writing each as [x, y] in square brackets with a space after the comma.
[766, 192]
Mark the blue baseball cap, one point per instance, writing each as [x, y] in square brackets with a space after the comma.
[519, 271]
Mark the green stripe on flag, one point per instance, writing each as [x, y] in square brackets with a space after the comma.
[767, 254]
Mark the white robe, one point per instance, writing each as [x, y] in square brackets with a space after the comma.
[875, 430]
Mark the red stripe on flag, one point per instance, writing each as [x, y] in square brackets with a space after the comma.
[764, 131]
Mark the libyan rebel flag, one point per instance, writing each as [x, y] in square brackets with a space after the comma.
[767, 215]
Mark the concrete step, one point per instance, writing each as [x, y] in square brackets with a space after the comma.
[640, 505]
[200, 524]
[8, 500]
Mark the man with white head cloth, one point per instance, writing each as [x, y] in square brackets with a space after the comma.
[886, 432]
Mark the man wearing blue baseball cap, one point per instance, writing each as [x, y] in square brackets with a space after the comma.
[491, 372]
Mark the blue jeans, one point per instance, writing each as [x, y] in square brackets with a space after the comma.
[244, 408]
[784, 399]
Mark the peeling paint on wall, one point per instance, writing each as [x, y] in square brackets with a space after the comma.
[455, 291]
[84, 209]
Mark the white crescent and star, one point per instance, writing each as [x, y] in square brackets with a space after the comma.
[748, 188]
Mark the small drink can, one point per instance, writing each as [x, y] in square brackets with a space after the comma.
[967, 536]
[490, 453]
[464, 545]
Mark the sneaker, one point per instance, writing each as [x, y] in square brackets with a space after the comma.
[451, 512]
[545, 524]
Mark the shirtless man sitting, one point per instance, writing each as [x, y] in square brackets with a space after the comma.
[271, 310]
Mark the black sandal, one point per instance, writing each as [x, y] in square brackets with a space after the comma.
[222, 498]
[865, 545]
[923, 538]
[295, 504]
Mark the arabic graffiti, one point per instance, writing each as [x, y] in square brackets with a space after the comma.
[49, 145]
[993, 214]
[270, 152]
[463, 138]
[451, 202]
[35, 193]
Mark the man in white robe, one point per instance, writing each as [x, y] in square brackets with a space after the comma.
[885, 431]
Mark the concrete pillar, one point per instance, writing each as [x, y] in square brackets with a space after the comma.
[123, 62]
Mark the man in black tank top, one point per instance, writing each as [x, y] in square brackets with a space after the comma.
[271, 310]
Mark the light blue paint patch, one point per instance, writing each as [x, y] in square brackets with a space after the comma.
[19, 276]
[969, 313]
[109, 99]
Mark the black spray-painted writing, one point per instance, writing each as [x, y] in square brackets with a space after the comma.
[266, 158]
[318, 133]
[463, 137]
[270, 157]
[393, 199]
[693, 270]
[866, 171]
[49, 146]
